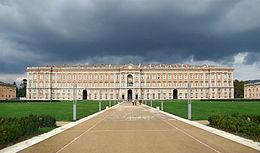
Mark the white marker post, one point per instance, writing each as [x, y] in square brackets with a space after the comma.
[74, 102]
[162, 105]
[99, 107]
[151, 103]
[189, 101]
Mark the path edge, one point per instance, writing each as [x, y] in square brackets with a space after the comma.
[224, 134]
[39, 138]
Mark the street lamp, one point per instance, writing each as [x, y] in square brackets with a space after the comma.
[74, 101]
[189, 101]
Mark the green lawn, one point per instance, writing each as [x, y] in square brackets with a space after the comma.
[62, 111]
[201, 110]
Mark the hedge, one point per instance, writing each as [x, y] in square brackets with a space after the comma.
[12, 129]
[244, 125]
[237, 99]
[25, 101]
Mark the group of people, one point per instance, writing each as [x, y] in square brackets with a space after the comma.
[135, 102]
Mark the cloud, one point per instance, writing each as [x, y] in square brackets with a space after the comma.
[242, 17]
[240, 58]
[35, 32]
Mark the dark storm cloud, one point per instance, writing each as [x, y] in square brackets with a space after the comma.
[146, 31]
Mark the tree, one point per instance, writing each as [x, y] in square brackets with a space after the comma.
[239, 89]
[16, 88]
[22, 89]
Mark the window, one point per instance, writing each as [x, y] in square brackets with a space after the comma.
[169, 76]
[153, 76]
[201, 75]
[212, 76]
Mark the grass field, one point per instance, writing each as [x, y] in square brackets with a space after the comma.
[201, 110]
[62, 111]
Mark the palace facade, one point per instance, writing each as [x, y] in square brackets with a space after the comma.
[252, 90]
[129, 81]
[7, 91]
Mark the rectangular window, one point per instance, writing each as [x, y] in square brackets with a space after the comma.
[169, 76]
[80, 76]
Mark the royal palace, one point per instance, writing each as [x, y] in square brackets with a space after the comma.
[129, 81]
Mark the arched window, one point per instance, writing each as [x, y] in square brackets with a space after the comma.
[129, 80]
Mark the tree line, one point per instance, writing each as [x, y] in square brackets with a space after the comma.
[21, 89]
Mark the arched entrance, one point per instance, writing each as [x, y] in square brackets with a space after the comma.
[85, 94]
[129, 94]
[175, 94]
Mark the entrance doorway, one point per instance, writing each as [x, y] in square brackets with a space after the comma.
[85, 94]
[175, 94]
[129, 95]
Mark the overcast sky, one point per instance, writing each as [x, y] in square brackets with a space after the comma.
[216, 32]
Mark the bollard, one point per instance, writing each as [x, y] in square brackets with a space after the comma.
[162, 105]
[151, 103]
[74, 111]
[189, 111]
[99, 108]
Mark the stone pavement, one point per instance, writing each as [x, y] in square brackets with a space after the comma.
[135, 129]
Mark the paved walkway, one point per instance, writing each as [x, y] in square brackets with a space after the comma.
[135, 129]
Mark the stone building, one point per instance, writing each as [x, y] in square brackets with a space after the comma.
[129, 81]
[252, 90]
[7, 91]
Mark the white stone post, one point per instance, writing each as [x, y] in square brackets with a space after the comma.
[74, 101]
[189, 102]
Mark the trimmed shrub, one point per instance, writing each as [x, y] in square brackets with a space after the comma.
[25, 101]
[245, 125]
[46, 121]
[13, 128]
[234, 100]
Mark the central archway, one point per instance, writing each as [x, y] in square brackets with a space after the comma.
[175, 94]
[85, 94]
[129, 94]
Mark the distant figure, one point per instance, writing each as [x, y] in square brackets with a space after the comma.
[133, 102]
[140, 102]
